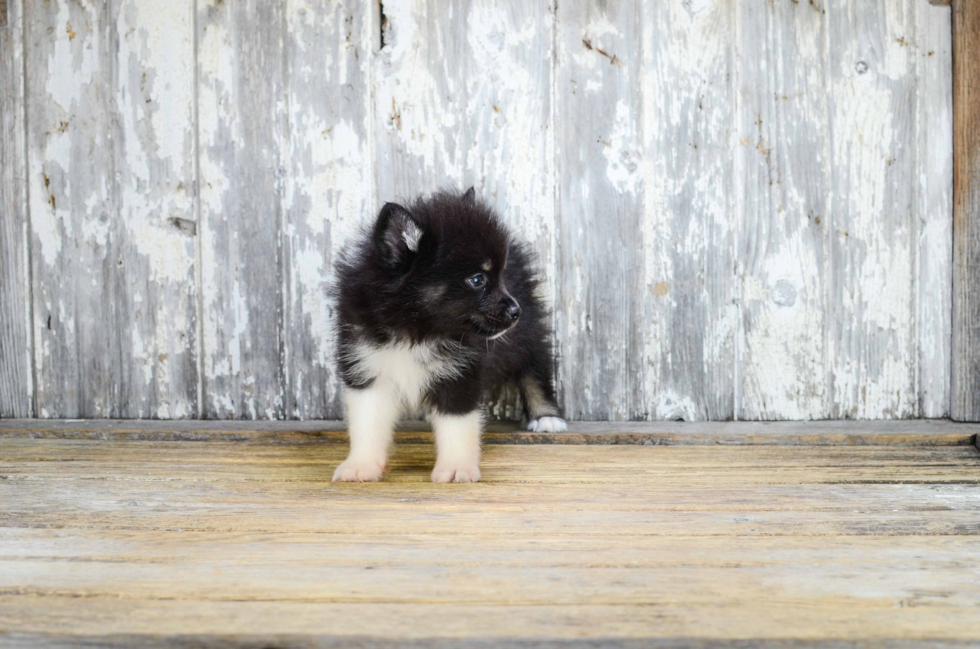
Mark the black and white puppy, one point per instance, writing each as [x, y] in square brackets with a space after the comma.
[436, 305]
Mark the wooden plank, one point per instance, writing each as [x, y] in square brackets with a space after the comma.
[72, 460]
[598, 132]
[409, 472]
[312, 624]
[122, 455]
[463, 97]
[241, 125]
[818, 433]
[685, 311]
[111, 175]
[333, 582]
[155, 212]
[965, 390]
[934, 172]
[16, 376]
[465, 521]
[782, 192]
[594, 551]
[75, 250]
[659, 499]
[328, 185]
[872, 218]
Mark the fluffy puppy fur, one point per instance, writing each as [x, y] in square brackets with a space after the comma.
[436, 305]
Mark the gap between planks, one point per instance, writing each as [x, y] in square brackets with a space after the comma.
[918, 432]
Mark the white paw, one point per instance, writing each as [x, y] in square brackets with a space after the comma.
[360, 471]
[457, 473]
[547, 425]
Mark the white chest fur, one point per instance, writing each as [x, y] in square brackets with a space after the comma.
[408, 369]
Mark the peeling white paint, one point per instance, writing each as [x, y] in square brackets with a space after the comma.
[74, 61]
[622, 159]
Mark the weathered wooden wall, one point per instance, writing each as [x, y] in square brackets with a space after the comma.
[742, 209]
[965, 397]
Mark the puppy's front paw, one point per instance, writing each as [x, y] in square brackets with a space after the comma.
[456, 473]
[360, 471]
[547, 425]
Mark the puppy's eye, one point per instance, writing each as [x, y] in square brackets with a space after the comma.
[477, 281]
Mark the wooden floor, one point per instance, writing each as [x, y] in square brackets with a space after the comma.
[219, 535]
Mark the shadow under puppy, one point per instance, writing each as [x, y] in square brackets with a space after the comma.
[436, 305]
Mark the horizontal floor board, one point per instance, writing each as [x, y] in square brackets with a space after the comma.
[651, 496]
[918, 432]
[805, 620]
[64, 450]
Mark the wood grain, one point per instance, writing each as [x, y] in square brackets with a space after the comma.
[600, 298]
[783, 191]
[241, 123]
[965, 390]
[689, 225]
[934, 171]
[873, 228]
[821, 433]
[74, 247]
[328, 187]
[111, 177]
[75, 251]
[151, 543]
[155, 210]
[16, 376]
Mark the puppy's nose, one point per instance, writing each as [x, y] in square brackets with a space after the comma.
[514, 311]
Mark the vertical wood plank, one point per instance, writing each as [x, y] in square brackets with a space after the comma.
[420, 98]
[329, 189]
[598, 113]
[965, 395]
[872, 222]
[108, 150]
[464, 98]
[155, 213]
[16, 380]
[934, 185]
[688, 289]
[74, 255]
[781, 166]
[240, 88]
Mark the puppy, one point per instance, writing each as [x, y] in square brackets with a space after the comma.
[435, 306]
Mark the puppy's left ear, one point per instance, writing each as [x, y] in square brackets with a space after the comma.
[396, 235]
[469, 196]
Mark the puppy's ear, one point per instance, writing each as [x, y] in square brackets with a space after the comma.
[469, 196]
[396, 235]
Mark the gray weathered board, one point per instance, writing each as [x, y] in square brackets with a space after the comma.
[742, 209]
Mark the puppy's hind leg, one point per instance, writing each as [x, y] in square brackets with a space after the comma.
[539, 401]
[371, 416]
